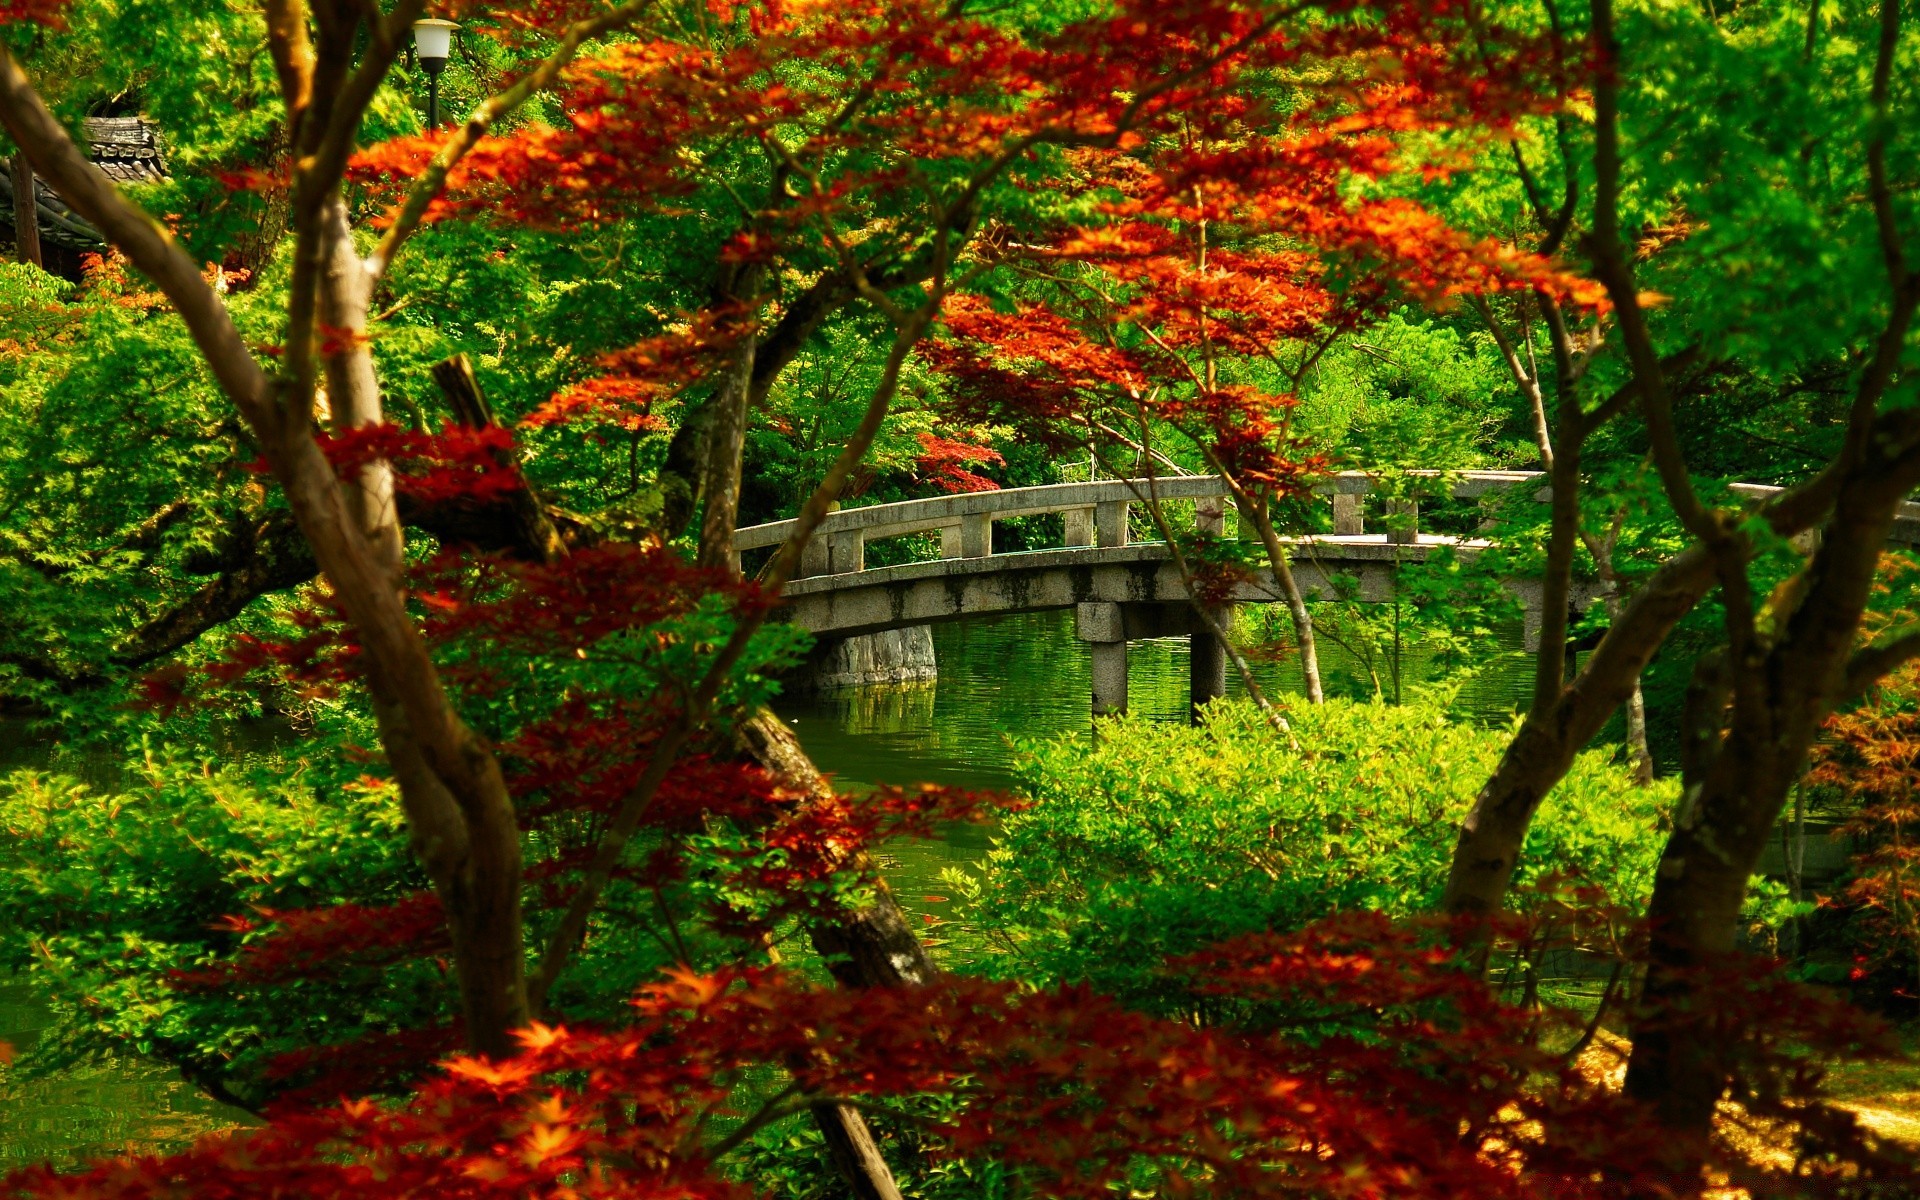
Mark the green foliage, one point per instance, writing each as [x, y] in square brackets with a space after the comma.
[1162, 839]
[121, 477]
[104, 894]
[1413, 393]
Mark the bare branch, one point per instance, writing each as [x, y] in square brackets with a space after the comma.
[292, 55]
[1870, 665]
[1616, 273]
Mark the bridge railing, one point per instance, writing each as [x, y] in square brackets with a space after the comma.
[1097, 514]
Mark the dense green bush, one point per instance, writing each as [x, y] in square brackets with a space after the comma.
[1159, 839]
[105, 895]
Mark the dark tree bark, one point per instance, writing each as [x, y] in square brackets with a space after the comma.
[26, 212]
[267, 555]
[872, 946]
[522, 522]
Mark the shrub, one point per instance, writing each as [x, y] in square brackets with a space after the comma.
[1157, 839]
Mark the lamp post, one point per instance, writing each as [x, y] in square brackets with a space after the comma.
[432, 39]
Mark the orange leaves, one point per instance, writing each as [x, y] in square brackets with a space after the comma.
[944, 462]
[1370, 1064]
[655, 369]
[504, 1076]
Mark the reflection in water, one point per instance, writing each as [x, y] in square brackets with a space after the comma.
[114, 1107]
[1028, 677]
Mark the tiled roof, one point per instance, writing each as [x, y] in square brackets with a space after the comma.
[126, 149]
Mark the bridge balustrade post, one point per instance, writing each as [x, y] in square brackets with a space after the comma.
[847, 551]
[1348, 516]
[1210, 515]
[1079, 526]
[1110, 521]
[815, 557]
[1103, 624]
[976, 535]
[950, 542]
[1403, 517]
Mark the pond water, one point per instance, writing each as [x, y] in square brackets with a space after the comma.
[1027, 677]
[1016, 677]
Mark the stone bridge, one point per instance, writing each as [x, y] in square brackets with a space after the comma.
[1120, 589]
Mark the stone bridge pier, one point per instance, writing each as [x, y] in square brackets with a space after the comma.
[1107, 626]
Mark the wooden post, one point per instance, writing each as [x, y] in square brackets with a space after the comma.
[26, 214]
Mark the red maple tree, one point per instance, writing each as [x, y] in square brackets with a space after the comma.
[892, 137]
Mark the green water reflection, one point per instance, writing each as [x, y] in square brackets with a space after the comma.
[1027, 677]
[118, 1106]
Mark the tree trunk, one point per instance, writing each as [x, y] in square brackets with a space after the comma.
[1541, 752]
[1683, 1047]
[1258, 515]
[1639, 753]
[1302, 627]
[726, 435]
[460, 816]
[873, 946]
[353, 387]
[855, 1154]
[26, 213]
[1736, 787]
[868, 947]
[533, 533]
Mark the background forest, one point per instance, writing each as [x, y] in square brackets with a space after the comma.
[392, 722]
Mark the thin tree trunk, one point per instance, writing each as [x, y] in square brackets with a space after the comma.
[1257, 515]
[867, 947]
[475, 861]
[26, 213]
[1638, 751]
[726, 436]
[1302, 622]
